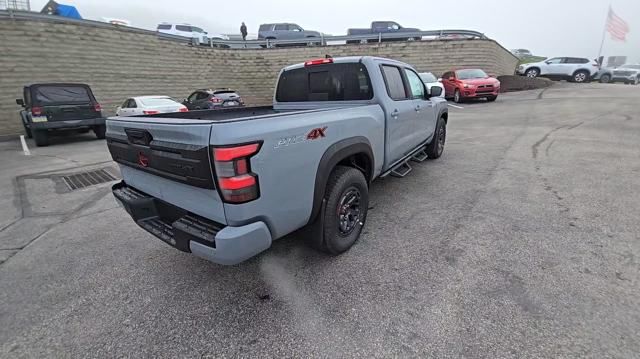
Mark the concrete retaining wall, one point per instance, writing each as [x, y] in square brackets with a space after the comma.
[118, 62]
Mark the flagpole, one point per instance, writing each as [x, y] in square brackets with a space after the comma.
[604, 36]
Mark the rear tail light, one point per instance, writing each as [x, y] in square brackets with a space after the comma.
[236, 182]
[183, 109]
[97, 107]
[36, 111]
[318, 62]
[150, 112]
[215, 100]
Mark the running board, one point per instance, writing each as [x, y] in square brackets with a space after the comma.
[420, 156]
[401, 170]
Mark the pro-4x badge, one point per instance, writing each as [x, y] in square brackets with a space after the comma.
[316, 133]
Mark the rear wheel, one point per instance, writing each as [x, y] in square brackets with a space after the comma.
[436, 147]
[41, 137]
[347, 203]
[580, 77]
[100, 131]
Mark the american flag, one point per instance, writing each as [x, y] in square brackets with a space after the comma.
[617, 27]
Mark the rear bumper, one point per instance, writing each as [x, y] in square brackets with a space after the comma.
[191, 233]
[68, 123]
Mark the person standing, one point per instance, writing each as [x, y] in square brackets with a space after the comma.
[243, 31]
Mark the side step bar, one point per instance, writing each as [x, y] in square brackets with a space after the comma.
[420, 156]
[401, 170]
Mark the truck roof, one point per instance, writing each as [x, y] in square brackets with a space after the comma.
[347, 59]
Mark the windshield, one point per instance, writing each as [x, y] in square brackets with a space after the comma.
[158, 101]
[61, 95]
[471, 74]
[428, 77]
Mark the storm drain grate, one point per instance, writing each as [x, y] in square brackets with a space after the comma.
[86, 179]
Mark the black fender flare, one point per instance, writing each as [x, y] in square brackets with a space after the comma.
[444, 114]
[331, 157]
[24, 117]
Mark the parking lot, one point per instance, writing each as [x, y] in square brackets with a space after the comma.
[521, 241]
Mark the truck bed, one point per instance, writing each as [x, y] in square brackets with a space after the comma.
[220, 115]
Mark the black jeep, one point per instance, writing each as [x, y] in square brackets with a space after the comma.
[56, 106]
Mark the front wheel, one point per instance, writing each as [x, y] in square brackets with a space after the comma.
[457, 96]
[436, 147]
[492, 98]
[532, 73]
[347, 203]
[605, 79]
[580, 77]
[636, 81]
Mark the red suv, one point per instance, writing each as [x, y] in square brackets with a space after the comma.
[470, 83]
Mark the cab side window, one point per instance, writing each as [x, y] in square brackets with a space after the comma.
[415, 84]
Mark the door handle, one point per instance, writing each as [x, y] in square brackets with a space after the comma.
[395, 114]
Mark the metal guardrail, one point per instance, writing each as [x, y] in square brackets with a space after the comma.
[214, 42]
[365, 38]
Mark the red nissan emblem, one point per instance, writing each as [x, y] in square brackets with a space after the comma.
[143, 160]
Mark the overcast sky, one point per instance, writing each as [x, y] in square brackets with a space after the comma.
[546, 27]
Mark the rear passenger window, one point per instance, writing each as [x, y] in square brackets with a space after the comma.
[330, 82]
[164, 27]
[282, 27]
[183, 28]
[393, 80]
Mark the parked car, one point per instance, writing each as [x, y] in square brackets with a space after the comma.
[287, 31]
[224, 184]
[430, 81]
[629, 74]
[212, 99]
[522, 53]
[470, 83]
[574, 69]
[149, 105]
[384, 27]
[189, 31]
[59, 106]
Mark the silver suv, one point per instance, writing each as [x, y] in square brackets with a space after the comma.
[286, 31]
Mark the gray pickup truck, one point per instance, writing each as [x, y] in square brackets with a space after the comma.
[385, 28]
[223, 184]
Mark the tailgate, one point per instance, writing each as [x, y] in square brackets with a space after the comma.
[169, 160]
[70, 112]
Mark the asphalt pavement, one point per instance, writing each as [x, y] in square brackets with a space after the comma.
[522, 241]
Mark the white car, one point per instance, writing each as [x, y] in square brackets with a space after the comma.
[570, 68]
[190, 31]
[149, 105]
[431, 81]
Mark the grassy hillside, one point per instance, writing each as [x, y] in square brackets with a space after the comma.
[528, 60]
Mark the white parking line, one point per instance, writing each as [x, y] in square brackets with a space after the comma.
[454, 106]
[25, 148]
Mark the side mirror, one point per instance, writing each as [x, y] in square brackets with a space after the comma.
[494, 76]
[436, 91]
[20, 102]
[440, 79]
[185, 100]
[548, 62]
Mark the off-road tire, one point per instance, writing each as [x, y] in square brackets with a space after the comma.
[436, 147]
[41, 137]
[343, 182]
